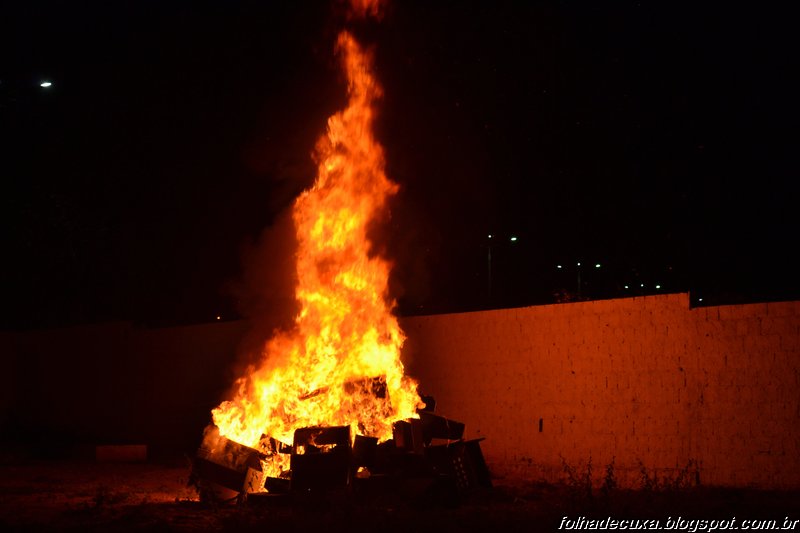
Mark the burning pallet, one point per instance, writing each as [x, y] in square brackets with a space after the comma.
[427, 458]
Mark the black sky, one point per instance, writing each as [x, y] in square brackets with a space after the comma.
[656, 140]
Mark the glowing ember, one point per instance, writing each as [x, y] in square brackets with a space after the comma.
[340, 364]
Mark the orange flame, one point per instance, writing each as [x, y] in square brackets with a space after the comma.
[340, 364]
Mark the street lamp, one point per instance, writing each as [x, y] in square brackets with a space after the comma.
[489, 268]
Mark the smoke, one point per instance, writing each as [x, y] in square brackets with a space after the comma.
[264, 293]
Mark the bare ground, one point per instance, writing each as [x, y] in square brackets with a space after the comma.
[88, 496]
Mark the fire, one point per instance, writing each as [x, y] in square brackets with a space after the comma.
[340, 363]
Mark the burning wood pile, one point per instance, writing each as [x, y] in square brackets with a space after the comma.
[426, 460]
[312, 417]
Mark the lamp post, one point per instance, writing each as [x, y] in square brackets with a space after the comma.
[489, 268]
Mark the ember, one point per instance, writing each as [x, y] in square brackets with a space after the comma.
[329, 403]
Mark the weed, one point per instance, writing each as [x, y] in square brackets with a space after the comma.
[578, 483]
[610, 480]
[683, 478]
[647, 481]
[686, 477]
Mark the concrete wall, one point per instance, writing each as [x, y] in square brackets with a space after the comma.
[114, 383]
[648, 384]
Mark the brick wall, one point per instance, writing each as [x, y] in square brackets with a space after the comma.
[648, 384]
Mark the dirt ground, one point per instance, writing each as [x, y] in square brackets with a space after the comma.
[89, 496]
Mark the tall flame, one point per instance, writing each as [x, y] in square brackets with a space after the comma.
[340, 364]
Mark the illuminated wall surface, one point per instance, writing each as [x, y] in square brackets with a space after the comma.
[647, 383]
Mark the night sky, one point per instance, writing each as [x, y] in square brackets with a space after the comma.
[151, 181]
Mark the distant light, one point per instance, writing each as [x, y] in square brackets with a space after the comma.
[699, 299]
[597, 265]
[558, 266]
[642, 285]
[219, 317]
[490, 235]
[46, 84]
[626, 286]
[579, 264]
[658, 286]
[513, 239]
